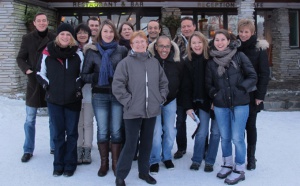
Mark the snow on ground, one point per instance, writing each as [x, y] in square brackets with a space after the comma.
[278, 155]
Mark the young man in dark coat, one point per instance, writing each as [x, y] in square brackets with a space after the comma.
[31, 49]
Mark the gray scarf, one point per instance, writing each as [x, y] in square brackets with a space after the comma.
[223, 59]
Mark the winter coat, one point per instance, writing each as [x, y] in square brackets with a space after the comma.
[233, 87]
[61, 78]
[181, 41]
[30, 51]
[173, 69]
[92, 64]
[257, 53]
[194, 94]
[140, 85]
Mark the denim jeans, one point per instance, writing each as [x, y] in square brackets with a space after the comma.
[232, 123]
[181, 138]
[51, 129]
[164, 134]
[200, 139]
[29, 128]
[108, 112]
[65, 124]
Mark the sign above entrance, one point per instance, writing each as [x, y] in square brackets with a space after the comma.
[107, 4]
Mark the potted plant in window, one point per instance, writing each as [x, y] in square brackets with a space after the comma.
[172, 22]
[28, 18]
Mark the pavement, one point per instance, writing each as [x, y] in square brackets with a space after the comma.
[283, 96]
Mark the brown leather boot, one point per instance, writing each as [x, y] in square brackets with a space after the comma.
[103, 150]
[115, 153]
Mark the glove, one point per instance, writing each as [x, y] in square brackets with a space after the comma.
[45, 86]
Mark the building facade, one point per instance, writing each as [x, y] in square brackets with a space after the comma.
[276, 21]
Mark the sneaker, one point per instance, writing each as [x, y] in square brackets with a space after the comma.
[26, 157]
[235, 177]
[195, 166]
[208, 168]
[154, 168]
[179, 154]
[57, 173]
[169, 164]
[224, 172]
[149, 179]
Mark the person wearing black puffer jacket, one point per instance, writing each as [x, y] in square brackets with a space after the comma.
[100, 62]
[230, 77]
[256, 51]
[168, 55]
[59, 74]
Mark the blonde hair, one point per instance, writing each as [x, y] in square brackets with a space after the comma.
[139, 33]
[73, 42]
[204, 41]
[248, 23]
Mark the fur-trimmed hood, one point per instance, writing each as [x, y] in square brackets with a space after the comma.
[176, 57]
[263, 44]
[89, 46]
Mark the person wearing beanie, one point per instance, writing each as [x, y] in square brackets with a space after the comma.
[100, 61]
[59, 74]
[31, 48]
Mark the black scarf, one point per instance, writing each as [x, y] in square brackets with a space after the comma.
[125, 42]
[198, 64]
[249, 44]
[61, 53]
[43, 34]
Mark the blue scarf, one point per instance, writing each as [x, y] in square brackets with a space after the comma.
[106, 69]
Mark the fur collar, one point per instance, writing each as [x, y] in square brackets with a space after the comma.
[176, 57]
[89, 46]
[263, 44]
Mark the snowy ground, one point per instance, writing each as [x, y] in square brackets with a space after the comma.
[278, 161]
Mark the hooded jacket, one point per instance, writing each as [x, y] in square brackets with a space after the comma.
[173, 69]
[92, 64]
[256, 51]
[140, 85]
[30, 51]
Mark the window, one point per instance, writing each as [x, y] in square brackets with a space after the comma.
[294, 28]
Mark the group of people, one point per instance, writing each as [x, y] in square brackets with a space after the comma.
[141, 89]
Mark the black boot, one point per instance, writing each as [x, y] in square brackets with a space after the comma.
[251, 157]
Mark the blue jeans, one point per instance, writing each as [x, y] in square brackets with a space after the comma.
[29, 128]
[232, 123]
[181, 138]
[164, 134]
[65, 125]
[51, 129]
[200, 139]
[108, 112]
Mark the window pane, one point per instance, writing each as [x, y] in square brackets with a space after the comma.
[232, 24]
[294, 29]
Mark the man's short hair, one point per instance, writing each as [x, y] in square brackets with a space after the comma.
[188, 18]
[93, 19]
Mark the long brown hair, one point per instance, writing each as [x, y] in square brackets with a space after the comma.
[110, 24]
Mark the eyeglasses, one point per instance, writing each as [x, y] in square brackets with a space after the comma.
[139, 42]
[164, 47]
[82, 33]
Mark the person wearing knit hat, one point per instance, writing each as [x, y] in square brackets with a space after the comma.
[59, 74]
[65, 27]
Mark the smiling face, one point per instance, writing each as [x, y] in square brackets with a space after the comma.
[163, 47]
[221, 42]
[153, 30]
[107, 34]
[94, 26]
[197, 45]
[187, 28]
[64, 39]
[41, 23]
[245, 33]
[82, 36]
[139, 44]
[126, 32]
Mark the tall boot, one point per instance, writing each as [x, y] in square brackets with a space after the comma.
[115, 153]
[238, 174]
[103, 150]
[226, 168]
[251, 157]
